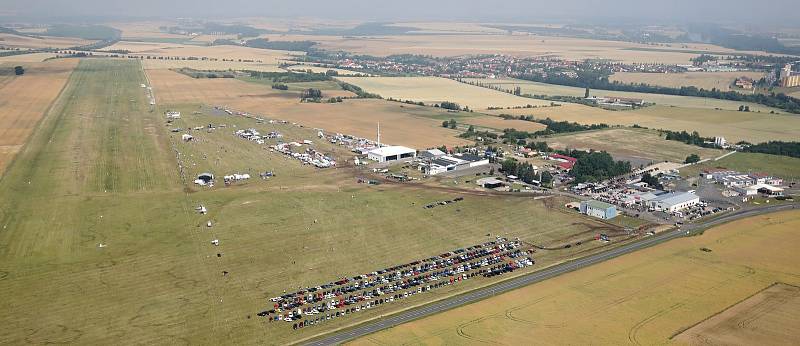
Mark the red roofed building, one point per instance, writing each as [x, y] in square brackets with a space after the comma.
[565, 162]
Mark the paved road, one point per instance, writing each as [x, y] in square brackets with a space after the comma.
[482, 293]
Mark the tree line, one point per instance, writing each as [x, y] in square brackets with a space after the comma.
[599, 80]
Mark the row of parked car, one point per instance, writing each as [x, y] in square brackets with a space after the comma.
[348, 295]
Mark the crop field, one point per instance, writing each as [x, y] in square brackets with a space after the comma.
[782, 166]
[517, 45]
[733, 125]
[17, 41]
[210, 65]
[24, 101]
[319, 69]
[769, 316]
[354, 117]
[156, 49]
[145, 30]
[646, 297]
[431, 90]
[100, 241]
[706, 80]
[535, 88]
[23, 58]
[633, 143]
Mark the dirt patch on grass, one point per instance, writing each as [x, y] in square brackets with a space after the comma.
[769, 317]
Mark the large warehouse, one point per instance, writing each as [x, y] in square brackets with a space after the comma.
[672, 202]
[391, 153]
[599, 209]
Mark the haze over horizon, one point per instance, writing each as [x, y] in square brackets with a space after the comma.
[746, 13]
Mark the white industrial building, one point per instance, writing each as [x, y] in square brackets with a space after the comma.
[391, 153]
[453, 163]
[675, 201]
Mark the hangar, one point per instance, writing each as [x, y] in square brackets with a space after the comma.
[391, 153]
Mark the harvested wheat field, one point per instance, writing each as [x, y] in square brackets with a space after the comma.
[22, 58]
[431, 90]
[155, 49]
[768, 317]
[409, 125]
[17, 41]
[633, 143]
[517, 45]
[535, 88]
[733, 125]
[153, 64]
[706, 80]
[645, 297]
[500, 123]
[320, 69]
[145, 29]
[25, 99]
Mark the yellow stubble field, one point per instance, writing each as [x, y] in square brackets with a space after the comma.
[733, 125]
[706, 80]
[17, 41]
[644, 298]
[517, 45]
[25, 99]
[431, 90]
[401, 124]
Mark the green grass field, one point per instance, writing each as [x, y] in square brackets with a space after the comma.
[102, 169]
[781, 166]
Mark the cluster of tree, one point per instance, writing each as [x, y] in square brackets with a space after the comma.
[553, 127]
[337, 99]
[693, 138]
[360, 93]
[596, 166]
[791, 149]
[598, 79]
[652, 181]
[539, 146]
[702, 59]
[451, 124]
[280, 87]
[311, 94]
[19, 70]
[524, 171]
[566, 126]
[233, 29]
[693, 158]
[475, 134]
[289, 77]
[408, 102]
[449, 105]
[264, 43]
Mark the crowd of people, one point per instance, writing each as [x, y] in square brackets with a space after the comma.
[315, 305]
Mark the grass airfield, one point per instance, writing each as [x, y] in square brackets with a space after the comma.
[102, 168]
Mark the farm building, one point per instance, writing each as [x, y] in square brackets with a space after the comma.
[675, 201]
[391, 153]
[490, 183]
[598, 209]
[453, 163]
[565, 162]
[431, 154]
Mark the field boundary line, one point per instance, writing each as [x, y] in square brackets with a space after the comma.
[683, 330]
[39, 123]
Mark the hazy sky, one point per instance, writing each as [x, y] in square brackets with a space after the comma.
[755, 12]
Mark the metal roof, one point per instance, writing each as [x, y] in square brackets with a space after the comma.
[598, 204]
[392, 150]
